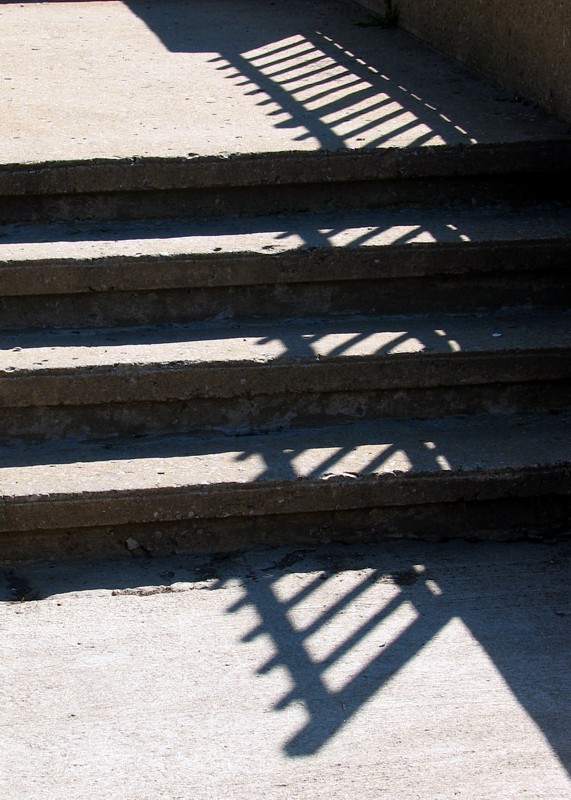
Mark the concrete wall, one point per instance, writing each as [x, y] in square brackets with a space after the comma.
[524, 45]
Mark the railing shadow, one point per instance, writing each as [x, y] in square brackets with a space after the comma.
[343, 621]
[317, 74]
[338, 658]
[366, 227]
[329, 698]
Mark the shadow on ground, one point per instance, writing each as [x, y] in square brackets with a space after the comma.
[514, 599]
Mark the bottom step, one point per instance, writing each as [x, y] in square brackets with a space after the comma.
[481, 477]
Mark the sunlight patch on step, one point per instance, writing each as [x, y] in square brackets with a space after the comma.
[336, 462]
[266, 52]
[292, 587]
[368, 105]
[356, 344]
[381, 235]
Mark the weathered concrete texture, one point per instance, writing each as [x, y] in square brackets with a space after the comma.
[298, 341]
[397, 261]
[78, 245]
[252, 377]
[111, 79]
[522, 44]
[98, 473]
[392, 671]
[106, 189]
[179, 493]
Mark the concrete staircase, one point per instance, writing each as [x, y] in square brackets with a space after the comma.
[384, 353]
[328, 300]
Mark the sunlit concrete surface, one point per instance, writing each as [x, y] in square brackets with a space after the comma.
[105, 79]
[272, 235]
[308, 340]
[402, 670]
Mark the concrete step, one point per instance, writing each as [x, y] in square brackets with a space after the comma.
[405, 260]
[213, 215]
[481, 475]
[283, 183]
[298, 108]
[266, 376]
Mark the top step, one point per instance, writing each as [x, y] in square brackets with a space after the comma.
[173, 79]
[196, 96]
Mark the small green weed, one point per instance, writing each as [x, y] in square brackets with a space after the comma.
[387, 20]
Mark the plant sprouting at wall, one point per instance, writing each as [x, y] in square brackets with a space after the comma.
[387, 20]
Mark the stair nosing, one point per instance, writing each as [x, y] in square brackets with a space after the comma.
[149, 173]
[492, 472]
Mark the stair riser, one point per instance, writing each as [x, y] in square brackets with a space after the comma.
[261, 200]
[284, 168]
[269, 397]
[276, 412]
[480, 260]
[449, 293]
[274, 302]
[533, 506]
[262, 183]
[124, 274]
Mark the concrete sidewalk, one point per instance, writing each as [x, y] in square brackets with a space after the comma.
[402, 670]
[86, 80]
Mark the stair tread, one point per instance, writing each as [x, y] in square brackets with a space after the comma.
[84, 243]
[379, 449]
[305, 340]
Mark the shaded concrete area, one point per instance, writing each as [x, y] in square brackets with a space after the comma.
[398, 670]
[110, 79]
[520, 43]
[454, 223]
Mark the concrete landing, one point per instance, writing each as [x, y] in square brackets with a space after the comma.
[85, 80]
[402, 670]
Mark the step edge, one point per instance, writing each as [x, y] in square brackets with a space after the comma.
[302, 167]
[164, 382]
[260, 499]
[378, 262]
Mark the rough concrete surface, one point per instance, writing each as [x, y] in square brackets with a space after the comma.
[403, 670]
[49, 245]
[243, 344]
[255, 377]
[522, 44]
[111, 79]
[205, 471]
